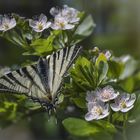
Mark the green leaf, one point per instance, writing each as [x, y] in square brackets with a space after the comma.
[80, 102]
[60, 98]
[128, 84]
[98, 129]
[115, 69]
[8, 110]
[106, 126]
[79, 127]
[134, 115]
[86, 27]
[44, 46]
[130, 66]
[83, 73]
[102, 71]
[100, 58]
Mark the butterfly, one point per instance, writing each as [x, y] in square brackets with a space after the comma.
[42, 81]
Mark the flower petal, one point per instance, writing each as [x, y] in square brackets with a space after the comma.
[42, 18]
[89, 116]
[103, 116]
[55, 27]
[114, 96]
[131, 101]
[47, 25]
[33, 23]
[54, 11]
[90, 105]
[126, 109]
[91, 97]
[115, 107]
[12, 23]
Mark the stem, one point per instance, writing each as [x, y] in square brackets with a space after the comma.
[124, 127]
[110, 114]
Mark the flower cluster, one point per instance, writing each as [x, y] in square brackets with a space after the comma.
[100, 100]
[64, 19]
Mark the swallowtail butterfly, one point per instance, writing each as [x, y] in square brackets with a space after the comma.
[41, 82]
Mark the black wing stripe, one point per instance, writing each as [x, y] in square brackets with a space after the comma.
[64, 51]
[11, 82]
[76, 51]
[30, 74]
[15, 80]
[54, 67]
[42, 68]
[7, 80]
[19, 72]
[25, 72]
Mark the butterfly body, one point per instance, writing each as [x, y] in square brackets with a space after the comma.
[41, 82]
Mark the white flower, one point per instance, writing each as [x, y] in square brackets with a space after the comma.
[96, 111]
[91, 96]
[106, 94]
[39, 24]
[65, 18]
[7, 23]
[61, 24]
[70, 14]
[124, 102]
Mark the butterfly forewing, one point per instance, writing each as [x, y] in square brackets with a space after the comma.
[61, 61]
[25, 81]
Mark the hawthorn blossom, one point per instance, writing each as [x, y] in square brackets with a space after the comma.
[124, 102]
[96, 111]
[65, 18]
[61, 23]
[39, 24]
[7, 23]
[106, 94]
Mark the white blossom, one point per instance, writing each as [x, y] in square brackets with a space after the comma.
[40, 24]
[106, 94]
[61, 24]
[65, 18]
[96, 111]
[7, 23]
[124, 102]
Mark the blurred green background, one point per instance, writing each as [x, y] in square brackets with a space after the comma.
[117, 29]
[117, 23]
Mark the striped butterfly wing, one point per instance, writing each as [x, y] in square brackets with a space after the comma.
[24, 81]
[42, 81]
[56, 67]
